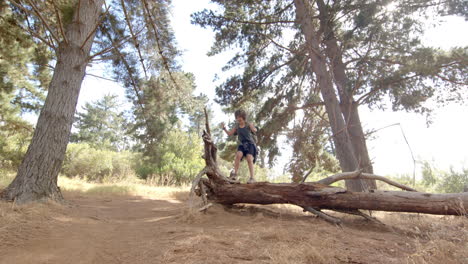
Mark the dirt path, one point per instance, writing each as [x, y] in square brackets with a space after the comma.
[142, 230]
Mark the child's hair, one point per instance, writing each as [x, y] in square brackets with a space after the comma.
[240, 113]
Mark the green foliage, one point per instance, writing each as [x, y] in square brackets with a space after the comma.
[379, 49]
[67, 9]
[429, 175]
[101, 125]
[308, 141]
[83, 161]
[6, 176]
[179, 160]
[435, 180]
[23, 78]
[453, 181]
[13, 146]
[23, 64]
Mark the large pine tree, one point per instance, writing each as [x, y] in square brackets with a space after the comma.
[70, 28]
[349, 52]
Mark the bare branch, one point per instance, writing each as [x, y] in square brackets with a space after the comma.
[304, 178]
[358, 174]
[311, 105]
[279, 45]
[59, 19]
[110, 48]
[207, 124]
[95, 27]
[79, 8]
[258, 22]
[322, 215]
[44, 21]
[197, 180]
[159, 45]
[450, 81]
[100, 77]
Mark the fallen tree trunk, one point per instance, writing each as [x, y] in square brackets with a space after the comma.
[321, 196]
[317, 195]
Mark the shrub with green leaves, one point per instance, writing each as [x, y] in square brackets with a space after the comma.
[178, 161]
[453, 181]
[83, 161]
[13, 146]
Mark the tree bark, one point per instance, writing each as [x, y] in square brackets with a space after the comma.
[344, 148]
[321, 196]
[348, 106]
[38, 172]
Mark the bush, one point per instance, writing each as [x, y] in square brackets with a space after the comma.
[453, 181]
[83, 161]
[433, 180]
[175, 161]
[13, 147]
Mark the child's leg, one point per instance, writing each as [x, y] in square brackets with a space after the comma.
[239, 155]
[250, 159]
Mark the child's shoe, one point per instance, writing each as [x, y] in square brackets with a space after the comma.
[233, 176]
[251, 180]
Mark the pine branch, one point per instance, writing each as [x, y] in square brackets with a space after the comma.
[112, 47]
[34, 34]
[132, 80]
[135, 41]
[375, 90]
[158, 42]
[277, 44]
[257, 22]
[450, 81]
[269, 73]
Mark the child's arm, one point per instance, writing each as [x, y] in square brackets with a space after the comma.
[252, 128]
[228, 132]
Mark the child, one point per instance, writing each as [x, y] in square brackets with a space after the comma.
[246, 147]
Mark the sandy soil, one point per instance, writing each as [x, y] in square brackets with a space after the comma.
[130, 229]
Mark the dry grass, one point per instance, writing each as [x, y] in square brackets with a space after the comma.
[171, 230]
[128, 187]
[19, 223]
[437, 239]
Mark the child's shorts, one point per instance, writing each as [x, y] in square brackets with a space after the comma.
[248, 148]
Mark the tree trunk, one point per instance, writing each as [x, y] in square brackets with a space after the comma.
[348, 106]
[38, 172]
[344, 148]
[319, 195]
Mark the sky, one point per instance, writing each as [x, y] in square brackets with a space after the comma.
[445, 142]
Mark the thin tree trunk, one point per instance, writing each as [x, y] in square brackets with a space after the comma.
[38, 172]
[344, 148]
[349, 107]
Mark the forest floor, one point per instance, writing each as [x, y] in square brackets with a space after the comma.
[159, 227]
